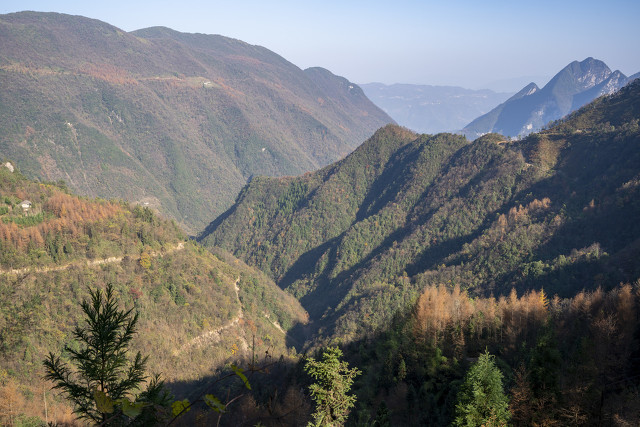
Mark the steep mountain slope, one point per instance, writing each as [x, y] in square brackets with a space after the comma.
[574, 86]
[357, 240]
[489, 120]
[432, 109]
[178, 121]
[197, 309]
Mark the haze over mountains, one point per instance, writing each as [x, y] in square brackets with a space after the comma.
[178, 121]
[531, 108]
[432, 109]
[414, 253]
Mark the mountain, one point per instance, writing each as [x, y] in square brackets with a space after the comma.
[357, 240]
[528, 111]
[174, 121]
[195, 306]
[489, 120]
[432, 109]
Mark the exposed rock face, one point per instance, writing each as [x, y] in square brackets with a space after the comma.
[530, 109]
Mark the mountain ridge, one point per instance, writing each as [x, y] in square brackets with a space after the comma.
[572, 87]
[357, 239]
[177, 121]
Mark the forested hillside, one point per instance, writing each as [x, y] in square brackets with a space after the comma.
[178, 121]
[568, 362]
[198, 310]
[360, 239]
[427, 265]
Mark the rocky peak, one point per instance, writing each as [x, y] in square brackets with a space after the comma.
[591, 72]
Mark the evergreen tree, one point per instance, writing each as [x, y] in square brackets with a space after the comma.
[383, 418]
[481, 399]
[402, 369]
[330, 392]
[104, 378]
[545, 364]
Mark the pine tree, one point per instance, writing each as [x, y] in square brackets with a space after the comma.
[102, 384]
[481, 400]
[521, 397]
[330, 392]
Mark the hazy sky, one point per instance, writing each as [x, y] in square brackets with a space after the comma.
[455, 42]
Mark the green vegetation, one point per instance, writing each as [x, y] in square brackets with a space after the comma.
[561, 361]
[106, 379]
[60, 228]
[403, 212]
[195, 308]
[481, 399]
[416, 255]
[128, 115]
[330, 392]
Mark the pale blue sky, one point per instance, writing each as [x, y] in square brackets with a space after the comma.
[457, 42]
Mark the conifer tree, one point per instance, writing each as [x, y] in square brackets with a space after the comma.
[481, 400]
[330, 392]
[102, 384]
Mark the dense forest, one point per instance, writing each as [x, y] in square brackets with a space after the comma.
[421, 280]
[417, 253]
[358, 240]
[567, 361]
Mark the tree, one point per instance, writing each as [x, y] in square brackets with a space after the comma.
[11, 401]
[521, 397]
[383, 418]
[104, 379]
[334, 380]
[481, 399]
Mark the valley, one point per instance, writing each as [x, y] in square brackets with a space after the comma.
[275, 232]
[432, 109]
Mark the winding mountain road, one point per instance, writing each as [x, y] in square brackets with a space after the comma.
[88, 263]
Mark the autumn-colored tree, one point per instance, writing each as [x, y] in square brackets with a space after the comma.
[11, 400]
[520, 404]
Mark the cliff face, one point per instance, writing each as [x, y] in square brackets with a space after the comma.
[528, 111]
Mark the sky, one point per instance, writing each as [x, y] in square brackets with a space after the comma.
[469, 43]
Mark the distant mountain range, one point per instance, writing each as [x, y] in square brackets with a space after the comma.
[432, 109]
[174, 121]
[531, 108]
